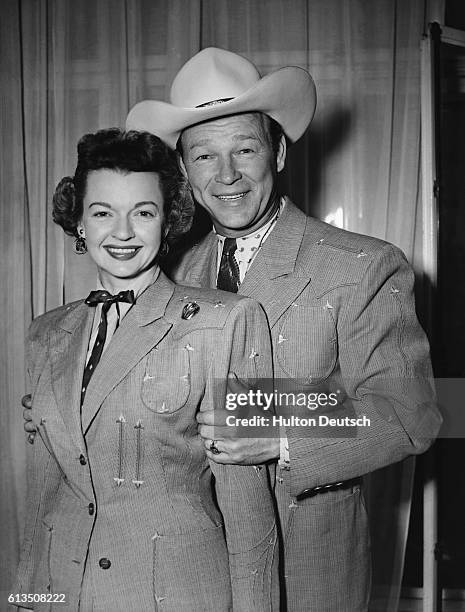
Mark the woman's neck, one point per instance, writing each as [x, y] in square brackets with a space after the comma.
[138, 284]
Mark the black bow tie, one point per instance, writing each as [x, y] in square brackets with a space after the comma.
[98, 297]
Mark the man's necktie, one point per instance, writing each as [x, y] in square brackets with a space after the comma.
[228, 274]
[106, 299]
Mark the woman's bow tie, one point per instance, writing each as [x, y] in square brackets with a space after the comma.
[97, 297]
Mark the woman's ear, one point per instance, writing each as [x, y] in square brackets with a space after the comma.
[80, 230]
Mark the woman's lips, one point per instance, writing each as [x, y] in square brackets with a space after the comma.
[122, 253]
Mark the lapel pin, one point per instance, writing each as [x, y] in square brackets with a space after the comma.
[190, 310]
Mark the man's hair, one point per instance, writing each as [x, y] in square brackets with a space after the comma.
[272, 129]
[114, 149]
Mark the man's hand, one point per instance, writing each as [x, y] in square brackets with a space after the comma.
[231, 448]
[29, 426]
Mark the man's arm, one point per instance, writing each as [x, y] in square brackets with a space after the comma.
[386, 372]
[234, 448]
[29, 426]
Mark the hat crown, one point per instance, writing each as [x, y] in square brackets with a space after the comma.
[212, 74]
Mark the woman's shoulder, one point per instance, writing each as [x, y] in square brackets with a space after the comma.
[50, 319]
[207, 307]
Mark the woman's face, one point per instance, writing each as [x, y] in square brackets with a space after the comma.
[122, 223]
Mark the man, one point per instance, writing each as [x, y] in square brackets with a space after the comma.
[340, 309]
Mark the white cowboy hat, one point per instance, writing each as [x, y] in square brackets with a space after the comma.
[215, 83]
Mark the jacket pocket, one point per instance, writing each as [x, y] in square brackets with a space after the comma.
[191, 572]
[43, 582]
[306, 347]
[166, 383]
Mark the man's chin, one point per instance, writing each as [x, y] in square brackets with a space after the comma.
[234, 228]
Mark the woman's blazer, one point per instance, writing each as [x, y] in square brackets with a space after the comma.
[127, 491]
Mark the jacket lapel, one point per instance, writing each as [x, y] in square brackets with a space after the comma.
[275, 278]
[68, 344]
[141, 329]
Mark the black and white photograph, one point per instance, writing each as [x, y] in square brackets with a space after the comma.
[232, 294]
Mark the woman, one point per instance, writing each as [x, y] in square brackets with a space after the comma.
[121, 512]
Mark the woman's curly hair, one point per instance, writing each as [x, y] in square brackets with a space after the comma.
[115, 149]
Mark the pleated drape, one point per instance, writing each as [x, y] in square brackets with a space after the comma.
[73, 66]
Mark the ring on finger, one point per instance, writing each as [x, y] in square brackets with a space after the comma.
[213, 448]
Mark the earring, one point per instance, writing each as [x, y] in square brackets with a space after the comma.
[80, 246]
[164, 249]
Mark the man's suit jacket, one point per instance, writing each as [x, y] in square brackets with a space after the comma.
[341, 311]
[132, 498]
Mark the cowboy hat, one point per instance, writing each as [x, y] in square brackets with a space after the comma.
[216, 83]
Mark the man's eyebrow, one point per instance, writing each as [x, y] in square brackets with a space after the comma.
[246, 137]
[198, 143]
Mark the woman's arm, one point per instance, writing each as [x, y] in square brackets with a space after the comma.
[243, 492]
[42, 473]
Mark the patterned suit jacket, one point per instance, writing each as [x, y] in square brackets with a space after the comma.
[133, 495]
[340, 307]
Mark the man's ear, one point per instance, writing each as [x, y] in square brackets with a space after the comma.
[182, 166]
[281, 154]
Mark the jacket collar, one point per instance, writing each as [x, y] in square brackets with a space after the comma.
[281, 249]
[130, 343]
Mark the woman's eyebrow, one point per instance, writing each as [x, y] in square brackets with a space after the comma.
[144, 203]
[99, 204]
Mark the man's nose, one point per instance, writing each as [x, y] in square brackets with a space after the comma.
[123, 229]
[227, 171]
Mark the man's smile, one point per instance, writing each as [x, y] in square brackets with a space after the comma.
[231, 197]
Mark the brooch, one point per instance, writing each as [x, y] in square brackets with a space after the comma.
[190, 310]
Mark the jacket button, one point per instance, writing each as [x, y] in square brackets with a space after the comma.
[82, 460]
[104, 563]
[91, 508]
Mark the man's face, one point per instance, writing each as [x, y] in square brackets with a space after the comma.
[232, 169]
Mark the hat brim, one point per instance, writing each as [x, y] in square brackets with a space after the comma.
[287, 95]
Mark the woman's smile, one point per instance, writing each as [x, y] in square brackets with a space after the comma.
[122, 253]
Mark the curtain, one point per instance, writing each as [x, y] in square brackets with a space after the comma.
[73, 66]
